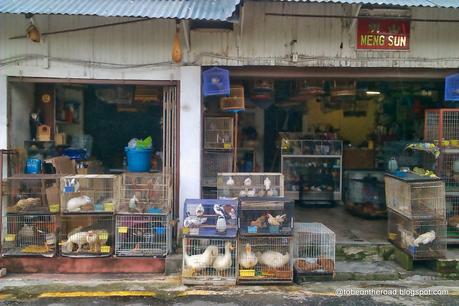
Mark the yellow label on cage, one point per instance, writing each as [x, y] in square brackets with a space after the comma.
[53, 208]
[227, 146]
[122, 229]
[10, 237]
[105, 249]
[108, 206]
[103, 236]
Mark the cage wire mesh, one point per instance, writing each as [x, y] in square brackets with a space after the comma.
[214, 163]
[91, 193]
[452, 202]
[29, 235]
[86, 235]
[265, 259]
[209, 261]
[218, 133]
[142, 235]
[431, 125]
[422, 238]
[448, 170]
[264, 184]
[416, 199]
[35, 193]
[313, 249]
[442, 125]
[145, 193]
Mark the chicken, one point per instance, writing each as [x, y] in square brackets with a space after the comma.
[75, 204]
[26, 232]
[242, 193]
[454, 221]
[133, 204]
[425, 238]
[267, 183]
[24, 204]
[260, 222]
[276, 221]
[223, 262]
[273, 259]
[201, 261]
[199, 212]
[247, 258]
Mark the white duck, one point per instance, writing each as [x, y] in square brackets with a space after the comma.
[223, 262]
[247, 258]
[273, 259]
[201, 261]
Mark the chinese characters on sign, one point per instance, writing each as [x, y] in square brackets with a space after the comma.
[386, 34]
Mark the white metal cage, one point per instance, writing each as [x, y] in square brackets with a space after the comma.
[29, 235]
[86, 235]
[142, 235]
[145, 193]
[313, 249]
[214, 163]
[90, 193]
[442, 125]
[448, 169]
[209, 261]
[415, 199]
[218, 133]
[422, 239]
[265, 259]
[240, 185]
[452, 202]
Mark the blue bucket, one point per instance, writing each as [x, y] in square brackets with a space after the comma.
[33, 166]
[138, 160]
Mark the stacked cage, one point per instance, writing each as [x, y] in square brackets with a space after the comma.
[314, 252]
[209, 242]
[30, 226]
[241, 185]
[417, 215]
[442, 127]
[142, 221]
[265, 240]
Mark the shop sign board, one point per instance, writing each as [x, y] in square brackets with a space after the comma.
[383, 34]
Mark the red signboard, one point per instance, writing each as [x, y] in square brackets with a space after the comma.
[383, 34]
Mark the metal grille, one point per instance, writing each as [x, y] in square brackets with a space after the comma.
[432, 125]
[265, 259]
[314, 249]
[93, 193]
[142, 235]
[214, 163]
[86, 235]
[451, 125]
[416, 199]
[145, 193]
[420, 238]
[29, 235]
[266, 217]
[209, 261]
[442, 125]
[264, 184]
[448, 169]
[26, 194]
[452, 203]
[218, 133]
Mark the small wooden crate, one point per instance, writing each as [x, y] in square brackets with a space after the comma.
[236, 100]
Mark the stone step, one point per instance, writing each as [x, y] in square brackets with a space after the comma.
[365, 252]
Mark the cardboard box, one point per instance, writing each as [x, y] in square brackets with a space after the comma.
[358, 159]
[61, 139]
[62, 165]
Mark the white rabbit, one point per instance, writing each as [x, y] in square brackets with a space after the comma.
[75, 204]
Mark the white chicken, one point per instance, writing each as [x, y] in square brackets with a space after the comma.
[199, 210]
[223, 262]
[425, 238]
[273, 259]
[201, 261]
[277, 220]
[251, 193]
[242, 193]
[247, 258]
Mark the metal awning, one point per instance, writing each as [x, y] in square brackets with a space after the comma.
[180, 9]
[408, 3]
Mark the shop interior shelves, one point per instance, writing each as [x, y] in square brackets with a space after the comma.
[31, 193]
[210, 217]
[89, 193]
[265, 216]
[264, 184]
[218, 133]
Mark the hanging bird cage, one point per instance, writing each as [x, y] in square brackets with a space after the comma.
[29, 235]
[215, 82]
[308, 88]
[218, 133]
[265, 260]
[142, 235]
[240, 185]
[236, 100]
[209, 261]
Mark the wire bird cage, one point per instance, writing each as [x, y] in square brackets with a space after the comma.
[422, 239]
[448, 170]
[452, 202]
[89, 193]
[313, 250]
[145, 193]
[210, 217]
[240, 185]
[265, 259]
[442, 126]
[29, 235]
[86, 235]
[31, 193]
[214, 163]
[209, 261]
[142, 235]
[260, 216]
[218, 133]
[417, 198]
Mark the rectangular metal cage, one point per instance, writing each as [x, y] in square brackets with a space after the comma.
[265, 216]
[86, 235]
[422, 239]
[447, 168]
[89, 193]
[142, 235]
[218, 133]
[263, 184]
[145, 193]
[442, 126]
[265, 260]
[209, 261]
[214, 162]
[29, 235]
[452, 204]
[31, 194]
[313, 249]
[416, 199]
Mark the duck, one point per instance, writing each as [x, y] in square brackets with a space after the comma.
[223, 262]
[425, 238]
[247, 258]
[273, 259]
[201, 261]
[251, 193]
[277, 220]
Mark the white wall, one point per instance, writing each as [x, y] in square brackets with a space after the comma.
[22, 98]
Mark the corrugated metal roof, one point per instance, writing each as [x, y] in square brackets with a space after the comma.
[412, 3]
[181, 9]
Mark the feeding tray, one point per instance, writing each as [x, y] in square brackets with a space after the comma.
[246, 273]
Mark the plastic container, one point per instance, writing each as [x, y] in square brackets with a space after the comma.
[138, 160]
[33, 166]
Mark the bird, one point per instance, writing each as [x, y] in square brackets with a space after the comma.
[230, 181]
[247, 258]
[277, 220]
[221, 221]
[251, 193]
[242, 193]
[267, 183]
[223, 262]
[133, 203]
[425, 238]
[193, 221]
[273, 259]
[200, 261]
[199, 212]
[247, 182]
